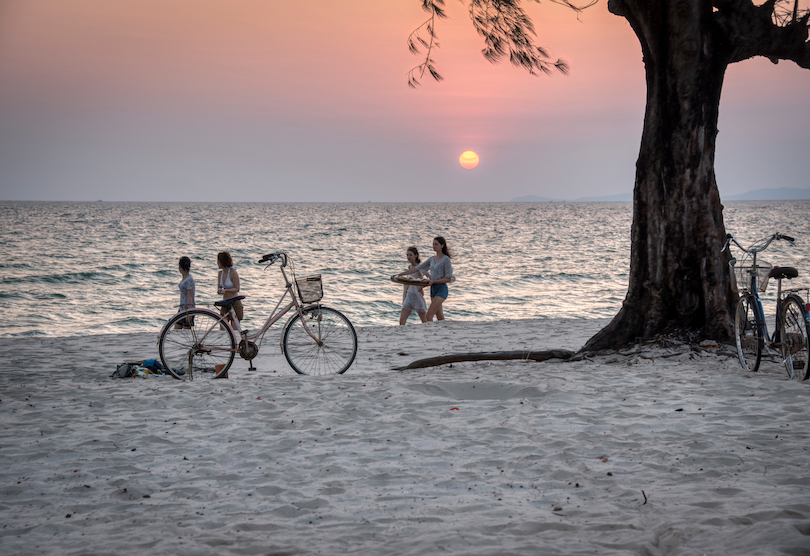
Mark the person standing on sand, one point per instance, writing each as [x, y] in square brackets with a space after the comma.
[186, 286]
[412, 297]
[228, 285]
[441, 274]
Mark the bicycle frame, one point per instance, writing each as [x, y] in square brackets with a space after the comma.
[239, 335]
[752, 286]
[779, 301]
[324, 342]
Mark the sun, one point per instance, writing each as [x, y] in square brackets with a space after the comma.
[468, 160]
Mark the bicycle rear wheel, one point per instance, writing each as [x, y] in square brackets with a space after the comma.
[794, 338]
[334, 350]
[195, 345]
[748, 333]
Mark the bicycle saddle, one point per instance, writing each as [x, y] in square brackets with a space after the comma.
[780, 272]
[228, 302]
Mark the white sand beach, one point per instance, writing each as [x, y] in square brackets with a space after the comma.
[667, 451]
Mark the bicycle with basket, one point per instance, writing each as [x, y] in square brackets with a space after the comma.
[749, 277]
[316, 340]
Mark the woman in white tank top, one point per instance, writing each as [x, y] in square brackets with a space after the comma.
[228, 284]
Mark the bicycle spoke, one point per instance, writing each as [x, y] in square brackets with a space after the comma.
[748, 333]
[794, 339]
[333, 330]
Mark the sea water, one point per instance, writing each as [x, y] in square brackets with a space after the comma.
[71, 269]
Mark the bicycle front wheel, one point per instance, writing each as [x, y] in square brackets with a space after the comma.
[322, 343]
[196, 344]
[794, 338]
[748, 333]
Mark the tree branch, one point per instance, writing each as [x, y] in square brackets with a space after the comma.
[776, 30]
[507, 31]
[435, 8]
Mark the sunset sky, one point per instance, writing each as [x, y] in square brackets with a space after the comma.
[269, 100]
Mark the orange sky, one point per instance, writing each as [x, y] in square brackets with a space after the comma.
[264, 99]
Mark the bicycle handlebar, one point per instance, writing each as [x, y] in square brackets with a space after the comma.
[273, 257]
[756, 248]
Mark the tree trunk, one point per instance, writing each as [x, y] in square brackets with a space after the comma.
[678, 277]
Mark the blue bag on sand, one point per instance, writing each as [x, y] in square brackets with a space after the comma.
[152, 364]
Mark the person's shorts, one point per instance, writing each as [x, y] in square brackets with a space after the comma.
[439, 290]
[237, 308]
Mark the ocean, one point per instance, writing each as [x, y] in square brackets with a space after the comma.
[80, 268]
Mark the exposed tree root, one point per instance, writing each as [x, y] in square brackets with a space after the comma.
[675, 344]
[488, 356]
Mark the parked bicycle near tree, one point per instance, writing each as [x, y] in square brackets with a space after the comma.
[316, 340]
[792, 323]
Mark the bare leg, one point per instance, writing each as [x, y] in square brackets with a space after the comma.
[440, 313]
[230, 318]
[421, 316]
[403, 316]
[435, 307]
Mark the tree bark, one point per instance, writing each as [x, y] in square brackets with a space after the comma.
[678, 277]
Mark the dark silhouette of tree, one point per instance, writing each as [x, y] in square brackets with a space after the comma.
[678, 278]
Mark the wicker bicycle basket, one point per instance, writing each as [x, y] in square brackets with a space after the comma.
[741, 275]
[310, 288]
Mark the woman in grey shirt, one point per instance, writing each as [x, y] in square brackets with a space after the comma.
[441, 274]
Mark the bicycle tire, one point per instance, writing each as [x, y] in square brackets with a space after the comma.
[795, 338]
[748, 333]
[338, 342]
[212, 348]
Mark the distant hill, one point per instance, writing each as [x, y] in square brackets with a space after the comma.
[772, 194]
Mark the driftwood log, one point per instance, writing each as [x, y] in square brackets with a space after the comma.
[488, 356]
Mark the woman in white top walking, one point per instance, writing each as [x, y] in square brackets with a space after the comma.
[228, 285]
[412, 297]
